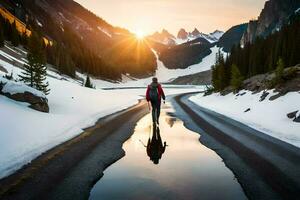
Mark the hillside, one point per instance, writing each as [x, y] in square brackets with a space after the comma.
[83, 37]
[232, 37]
[186, 54]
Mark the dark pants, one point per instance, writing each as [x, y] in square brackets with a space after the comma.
[155, 110]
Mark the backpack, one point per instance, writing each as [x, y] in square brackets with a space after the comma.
[153, 93]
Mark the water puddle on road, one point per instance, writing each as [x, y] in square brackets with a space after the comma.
[166, 162]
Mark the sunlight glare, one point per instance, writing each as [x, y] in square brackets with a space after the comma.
[140, 34]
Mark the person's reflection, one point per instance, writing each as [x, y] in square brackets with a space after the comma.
[155, 147]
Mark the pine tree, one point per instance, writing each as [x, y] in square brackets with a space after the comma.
[236, 78]
[24, 39]
[88, 83]
[279, 71]
[1, 37]
[27, 75]
[215, 81]
[35, 72]
[15, 37]
[219, 73]
[221, 77]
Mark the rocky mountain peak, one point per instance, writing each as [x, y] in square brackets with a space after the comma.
[195, 32]
[182, 34]
[166, 33]
[271, 19]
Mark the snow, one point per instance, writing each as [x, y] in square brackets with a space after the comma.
[163, 74]
[197, 43]
[26, 133]
[9, 57]
[39, 23]
[63, 17]
[13, 87]
[269, 117]
[211, 38]
[13, 50]
[19, 49]
[217, 34]
[10, 68]
[104, 31]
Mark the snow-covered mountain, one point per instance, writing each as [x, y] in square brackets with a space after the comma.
[183, 36]
[163, 37]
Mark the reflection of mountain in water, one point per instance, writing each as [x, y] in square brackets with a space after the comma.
[155, 146]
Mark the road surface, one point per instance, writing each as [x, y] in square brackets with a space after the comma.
[266, 168]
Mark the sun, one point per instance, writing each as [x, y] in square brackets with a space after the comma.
[139, 34]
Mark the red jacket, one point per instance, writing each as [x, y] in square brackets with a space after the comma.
[160, 91]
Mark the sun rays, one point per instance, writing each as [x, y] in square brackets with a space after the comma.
[139, 34]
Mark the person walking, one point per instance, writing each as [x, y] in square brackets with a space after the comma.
[154, 94]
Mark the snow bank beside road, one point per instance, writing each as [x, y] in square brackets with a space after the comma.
[267, 116]
[13, 87]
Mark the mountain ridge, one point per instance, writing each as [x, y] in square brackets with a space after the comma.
[84, 36]
[272, 17]
[183, 36]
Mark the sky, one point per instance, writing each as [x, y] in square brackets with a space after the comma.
[148, 16]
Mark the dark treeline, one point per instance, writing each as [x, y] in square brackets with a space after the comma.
[70, 54]
[10, 33]
[259, 57]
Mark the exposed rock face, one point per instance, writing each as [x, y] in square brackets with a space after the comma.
[165, 33]
[195, 33]
[36, 102]
[232, 37]
[297, 119]
[250, 34]
[262, 82]
[247, 110]
[182, 34]
[264, 96]
[273, 16]
[164, 37]
[294, 115]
